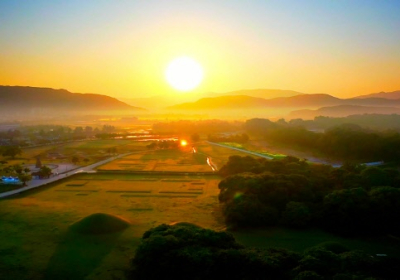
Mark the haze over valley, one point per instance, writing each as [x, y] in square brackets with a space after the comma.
[234, 140]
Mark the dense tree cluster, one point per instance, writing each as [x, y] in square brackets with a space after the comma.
[186, 251]
[238, 138]
[353, 199]
[163, 145]
[346, 141]
[10, 134]
[46, 134]
[10, 151]
[367, 121]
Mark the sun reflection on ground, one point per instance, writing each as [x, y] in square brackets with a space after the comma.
[183, 143]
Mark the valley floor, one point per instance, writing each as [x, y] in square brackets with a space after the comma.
[36, 241]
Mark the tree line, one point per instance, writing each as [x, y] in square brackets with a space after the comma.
[350, 200]
[44, 134]
[367, 121]
[345, 142]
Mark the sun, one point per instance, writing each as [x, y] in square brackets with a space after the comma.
[184, 73]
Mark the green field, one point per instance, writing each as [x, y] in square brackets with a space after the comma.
[35, 239]
[37, 243]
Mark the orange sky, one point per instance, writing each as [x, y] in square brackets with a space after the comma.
[122, 49]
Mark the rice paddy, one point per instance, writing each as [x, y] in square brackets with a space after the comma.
[89, 225]
[160, 161]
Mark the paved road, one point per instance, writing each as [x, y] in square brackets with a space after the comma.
[37, 183]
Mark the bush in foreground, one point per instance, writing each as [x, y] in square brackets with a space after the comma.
[186, 251]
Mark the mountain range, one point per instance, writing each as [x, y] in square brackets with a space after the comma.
[387, 95]
[303, 101]
[16, 100]
[342, 111]
[165, 100]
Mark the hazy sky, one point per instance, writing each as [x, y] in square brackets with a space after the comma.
[122, 48]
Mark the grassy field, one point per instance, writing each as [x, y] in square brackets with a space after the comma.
[182, 160]
[36, 240]
[36, 243]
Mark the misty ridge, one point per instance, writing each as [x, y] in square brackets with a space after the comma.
[31, 101]
[297, 101]
[18, 101]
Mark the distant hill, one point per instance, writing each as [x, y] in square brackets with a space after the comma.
[261, 93]
[222, 102]
[276, 98]
[160, 101]
[34, 100]
[165, 100]
[342, 111]
[387, 95]
[304, 101]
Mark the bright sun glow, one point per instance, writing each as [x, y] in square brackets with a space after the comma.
[184, 73]
[183, 143]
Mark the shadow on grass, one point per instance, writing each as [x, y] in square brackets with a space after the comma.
[78, 255]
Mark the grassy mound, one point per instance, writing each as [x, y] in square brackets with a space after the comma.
[100, 223]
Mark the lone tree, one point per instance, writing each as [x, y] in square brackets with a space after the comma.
[11, 151]
[45, 172]
[38, 162]
[24, 177]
